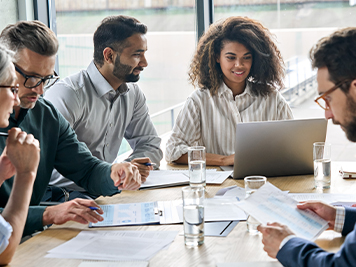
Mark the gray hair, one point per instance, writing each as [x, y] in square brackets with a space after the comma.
[6, 59]
[33, 35]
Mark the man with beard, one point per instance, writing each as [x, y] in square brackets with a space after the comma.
[335, 58]
[35, 47]
[103, 103]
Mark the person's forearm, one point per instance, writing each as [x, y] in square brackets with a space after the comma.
[15, 212]
[211, 159]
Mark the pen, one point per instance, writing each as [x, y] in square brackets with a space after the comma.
[149, 164]
[93, 208]
[4, 134]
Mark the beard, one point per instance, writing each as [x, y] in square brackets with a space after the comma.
[350, 124]
[125, 72]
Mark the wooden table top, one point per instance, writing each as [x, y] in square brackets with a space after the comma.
[238, 246]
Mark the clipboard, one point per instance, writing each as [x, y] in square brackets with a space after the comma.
[166, 212]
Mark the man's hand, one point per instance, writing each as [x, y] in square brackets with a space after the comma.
[21, 154]
[7, 169]
[273, 235]
[144, 170]
[125, 176]
[77, 210]
[325, 211]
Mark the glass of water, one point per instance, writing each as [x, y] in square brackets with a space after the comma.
[322, 164]
[252, 183]
[197, 166]
[193, 214]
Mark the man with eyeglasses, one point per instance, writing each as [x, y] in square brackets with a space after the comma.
[35, 47]
[335, 58]
[104, 104]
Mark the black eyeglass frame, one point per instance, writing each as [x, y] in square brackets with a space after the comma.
[42, 79]
[14, 89]
[328, 92]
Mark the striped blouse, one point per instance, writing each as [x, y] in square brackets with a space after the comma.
[211, 121]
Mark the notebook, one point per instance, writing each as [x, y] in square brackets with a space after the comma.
[277, 148]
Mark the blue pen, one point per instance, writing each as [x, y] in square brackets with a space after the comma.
[149, 164]
[93, 208]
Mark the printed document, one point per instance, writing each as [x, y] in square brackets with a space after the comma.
[269, 204]
[167, 178]
[114, 245]
[167, 212]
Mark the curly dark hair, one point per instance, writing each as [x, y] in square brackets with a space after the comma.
[267, 70]
[337, 53]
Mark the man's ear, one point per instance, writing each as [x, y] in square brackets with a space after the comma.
[352, 90]
[108, 54]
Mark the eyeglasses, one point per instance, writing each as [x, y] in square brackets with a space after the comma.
[14, 89]
[34, 81]
[325, 104]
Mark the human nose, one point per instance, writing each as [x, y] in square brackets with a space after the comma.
[38, 89]
[16, 99]
[329, 114]
[238, 62]
[143, 62]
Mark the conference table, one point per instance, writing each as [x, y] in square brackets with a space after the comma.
[238, 246]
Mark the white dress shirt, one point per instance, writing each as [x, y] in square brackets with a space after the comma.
[211, 121]
[5, 234]
[102, 117]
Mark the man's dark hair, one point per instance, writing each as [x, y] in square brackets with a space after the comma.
[33, 35]
[113, 32]
[337, 52]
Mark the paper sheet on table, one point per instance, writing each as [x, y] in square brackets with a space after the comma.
[232, 191]
[114, 245]
[250, 264]
[212, 176]
[113, 264]
[269, 204]
[325, 197]
[219, 209]
[128, 214]
[165, 178]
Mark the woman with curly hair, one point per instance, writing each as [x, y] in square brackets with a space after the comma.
[238, 70]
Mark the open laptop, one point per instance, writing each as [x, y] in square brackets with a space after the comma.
[277, 148]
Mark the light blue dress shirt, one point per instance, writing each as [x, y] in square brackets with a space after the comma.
[102, 117]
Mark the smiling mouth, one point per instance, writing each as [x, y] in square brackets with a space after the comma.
[238, 72]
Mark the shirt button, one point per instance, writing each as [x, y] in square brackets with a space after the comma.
[110, 124]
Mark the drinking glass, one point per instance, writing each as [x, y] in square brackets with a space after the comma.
[197, 166]
[193, 214]
[322, 164]
[252, 183]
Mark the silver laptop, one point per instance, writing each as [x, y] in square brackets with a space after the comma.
[277, 148]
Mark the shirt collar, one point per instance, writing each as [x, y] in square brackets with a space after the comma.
[101, 85]
[223, 89]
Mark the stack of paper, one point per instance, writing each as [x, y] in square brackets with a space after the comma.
[114, 245]
[166, 178]
[269, 204]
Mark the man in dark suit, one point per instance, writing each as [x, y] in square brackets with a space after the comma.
[335, 58]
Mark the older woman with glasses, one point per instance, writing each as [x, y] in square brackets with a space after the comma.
[19, 162]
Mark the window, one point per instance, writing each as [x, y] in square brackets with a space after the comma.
[171, 42]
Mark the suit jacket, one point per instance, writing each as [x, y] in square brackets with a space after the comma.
[301, 252]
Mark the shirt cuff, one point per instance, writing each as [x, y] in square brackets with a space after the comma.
[285, 240]
[5, 234]
[339, 219]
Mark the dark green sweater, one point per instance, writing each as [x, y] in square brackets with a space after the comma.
[60, 149]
